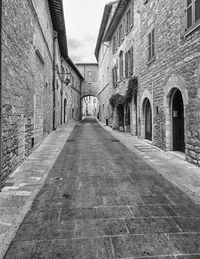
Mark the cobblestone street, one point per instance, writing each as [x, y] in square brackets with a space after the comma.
[101, 201]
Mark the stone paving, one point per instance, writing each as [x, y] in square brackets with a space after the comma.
[25, 182]
[172, 165]
[101, 200]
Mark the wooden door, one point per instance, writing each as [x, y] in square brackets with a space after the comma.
[178, 122]
[148, 121]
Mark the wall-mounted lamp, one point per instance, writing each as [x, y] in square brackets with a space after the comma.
[67, 80]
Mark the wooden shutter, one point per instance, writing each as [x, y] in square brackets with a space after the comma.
[149, 46]
[131, 61]
[113, 77]
[132, 14]
[153, 43]
[189, 13]
[197, 10]
[126, 64]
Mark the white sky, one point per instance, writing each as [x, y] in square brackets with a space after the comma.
[83, 18]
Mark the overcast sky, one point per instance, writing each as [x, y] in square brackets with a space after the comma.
[83, 18]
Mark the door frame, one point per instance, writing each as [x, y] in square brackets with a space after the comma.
[147, 104]
[173, 120]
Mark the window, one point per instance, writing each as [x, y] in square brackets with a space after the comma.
[129, 62]
[130, 18]
[114, 75]
[121, 65]
[192, 13]
[114, 44]
[72, 80]
[128, 21]
[120, 34]
[151, 45]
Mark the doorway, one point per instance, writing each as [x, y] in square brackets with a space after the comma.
[148, 120]
[178, 122]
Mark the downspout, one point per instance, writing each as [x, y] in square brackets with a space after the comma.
[80, 113]
[0, 87]
[54, 79]
[61, 96]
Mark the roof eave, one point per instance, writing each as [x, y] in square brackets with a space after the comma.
[106, 13]
[57, 16]
[121, 7]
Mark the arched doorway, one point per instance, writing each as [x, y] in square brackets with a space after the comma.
[65, 106]
[148, 119]
[178, 122]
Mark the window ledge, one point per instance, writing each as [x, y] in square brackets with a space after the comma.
[192, 29]
[150, 61]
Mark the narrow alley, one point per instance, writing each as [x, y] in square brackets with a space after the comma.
[101, 200]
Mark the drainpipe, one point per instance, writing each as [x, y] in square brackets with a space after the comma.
[54, 79]
[80, 112]
[61, 96]
[0, 87]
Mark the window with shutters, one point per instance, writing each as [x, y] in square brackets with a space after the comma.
[192, 14]
[128, 21]
[121, 65]
[114, 44]
[120, 34]
[151, 45]
[129, 62]
[114, 75]
[129, 18]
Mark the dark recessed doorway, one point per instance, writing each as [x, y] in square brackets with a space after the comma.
[178, 122]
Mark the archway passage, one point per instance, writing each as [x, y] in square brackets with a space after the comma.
[90, 106]
[178, 122]
[148, 120]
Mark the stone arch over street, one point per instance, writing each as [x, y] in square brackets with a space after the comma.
[146, 108]
[89, 106]
[175, 103]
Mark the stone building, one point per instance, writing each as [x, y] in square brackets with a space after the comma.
[34, 45]
[104, 58]
[154, 56]
[71, 91]
[90, 85]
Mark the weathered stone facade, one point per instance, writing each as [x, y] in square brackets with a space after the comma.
[71, 92]
[173, 73]
[90, 86]
[27, 79]
[104, 58]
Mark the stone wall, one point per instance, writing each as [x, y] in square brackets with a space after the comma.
[90, 85]
[71, 94]
[176, 66]
[26, 81]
